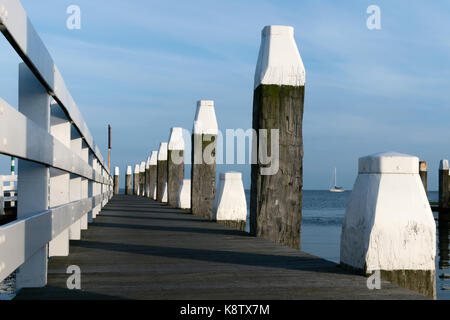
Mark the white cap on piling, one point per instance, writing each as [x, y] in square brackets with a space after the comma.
[279, 60]
[176, 141]
[142, 167]
[205, 118]
[162, 153]
[230, 203]
[137, 168]
[389, 162]
[184, 194]
[116, 171]
[129, 170]
[154, 158]
[147, 164]
[443, 164]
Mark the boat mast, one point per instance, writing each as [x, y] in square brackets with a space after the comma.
[335, 184]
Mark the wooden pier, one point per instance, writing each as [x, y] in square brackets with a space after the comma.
[141, 249]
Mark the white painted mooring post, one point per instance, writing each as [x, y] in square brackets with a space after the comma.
[230, 206]
[34, 103]
[278, 101]
[153, 173]
[444, 184]
[175, 165]
[128, 181]
[142, 179]
[203, 168]
[162, 171]
[137, 171]
[75, 184]
[60, 128]
[184, 195]
[116, 180]
[388, 225]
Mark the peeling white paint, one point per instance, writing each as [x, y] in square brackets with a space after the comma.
[229, 203]
[184, 195]
[388, 224]
[279, 60]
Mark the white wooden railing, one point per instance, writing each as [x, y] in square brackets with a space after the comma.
[62, 180]
[8, 185]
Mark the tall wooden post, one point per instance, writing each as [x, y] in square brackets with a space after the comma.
[444, 184]
[136, 174]
[175, 165]
[203, 168]
[152, 168]
[162, 171]
[128, 182]
[276, 182]
[116, 180]
[423, 172]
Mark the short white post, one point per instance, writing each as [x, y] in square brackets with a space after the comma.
[388, 225]
[59, 180]
[75, 184]
[184, 195]
[34, 102]
[230, 206]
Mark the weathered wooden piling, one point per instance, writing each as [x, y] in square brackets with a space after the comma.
[137, 171]
[203, 168]
[153, 172]
[388, 225]
[116, 180]
[162, 171]
[230, 207]
[444, 193]
[142, 179]
[423, 172]
[276, 181]
[175, 165]
[184, 195]
[128, 182]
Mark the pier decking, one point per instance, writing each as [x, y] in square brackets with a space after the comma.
[140, 249]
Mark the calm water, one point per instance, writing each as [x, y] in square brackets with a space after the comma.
[323, 213]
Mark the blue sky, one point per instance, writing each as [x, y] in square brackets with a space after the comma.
[142, 65]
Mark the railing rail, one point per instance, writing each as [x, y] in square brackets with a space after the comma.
[63, 181]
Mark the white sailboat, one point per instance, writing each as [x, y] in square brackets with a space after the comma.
[336, 188]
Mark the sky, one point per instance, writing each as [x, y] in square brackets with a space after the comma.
[141, 66]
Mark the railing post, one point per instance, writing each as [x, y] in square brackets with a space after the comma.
[203, 167]
[128, 182]
[277, 171]
[97, 190]
[162, 171]
[116, 180]
[84, 185]
[152, 168]
[91, 186]
[32, 198]
[444, 184]
[75, 184]
[59, 180]
[175, 165]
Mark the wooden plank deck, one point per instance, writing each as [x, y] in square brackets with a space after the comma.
[140, 249]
